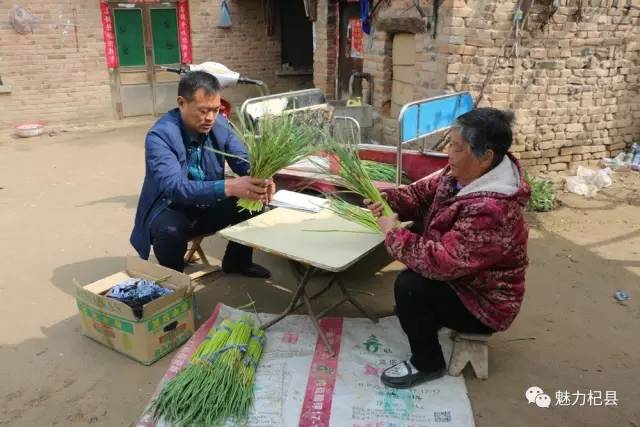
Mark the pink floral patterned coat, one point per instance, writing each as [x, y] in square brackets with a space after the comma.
[475, 239]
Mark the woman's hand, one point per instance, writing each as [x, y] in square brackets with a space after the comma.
[387, 223]
[375, 208]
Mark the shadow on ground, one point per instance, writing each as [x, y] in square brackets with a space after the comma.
[129, 202]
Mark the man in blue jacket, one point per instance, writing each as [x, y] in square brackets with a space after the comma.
[185, 193]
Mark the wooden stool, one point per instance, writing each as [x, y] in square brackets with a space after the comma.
[195, 253]
[470, 348]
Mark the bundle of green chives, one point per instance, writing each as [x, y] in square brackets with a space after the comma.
[247, 372]
[214, 340]
[353, 174]
[224, 373]
[277, 142]
[175, 403]
[216, 386]
[354, 213]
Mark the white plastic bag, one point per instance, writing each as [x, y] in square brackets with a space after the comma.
[587, 182]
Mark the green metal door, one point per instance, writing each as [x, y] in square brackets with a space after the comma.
[166, 51]
[164, 30]
[129, 37]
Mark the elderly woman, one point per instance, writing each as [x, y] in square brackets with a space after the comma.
[466, 269]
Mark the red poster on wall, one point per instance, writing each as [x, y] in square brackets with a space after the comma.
[110, 50]
[184, 32]
[354, 34]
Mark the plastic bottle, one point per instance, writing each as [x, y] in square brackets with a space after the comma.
[628, 157]
[635, 163]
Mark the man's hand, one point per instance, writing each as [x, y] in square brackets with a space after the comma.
[375, 208]
[387, 223]
[246, 187]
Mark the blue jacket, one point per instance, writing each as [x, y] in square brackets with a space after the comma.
[166, 180]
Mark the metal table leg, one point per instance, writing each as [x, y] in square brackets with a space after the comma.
[300, 298]
[301, 294]
[355, 302]
[296, 297]
[328, 286]
[316, 324]
[346, 297]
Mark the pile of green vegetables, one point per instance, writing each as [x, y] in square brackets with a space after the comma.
[543, 196]
[217, 385]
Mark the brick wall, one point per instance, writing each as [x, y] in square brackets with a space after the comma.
[54, 81]
[324, 58]
[430, 69]
[574, 86]
[51, 78]
[431, 64]
[245, 47]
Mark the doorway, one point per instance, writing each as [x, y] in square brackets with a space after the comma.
[146, 39]
[351, 47]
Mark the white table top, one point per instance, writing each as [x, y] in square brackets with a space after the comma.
[284, 232]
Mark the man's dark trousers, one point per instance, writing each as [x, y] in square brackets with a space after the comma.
[173, 228]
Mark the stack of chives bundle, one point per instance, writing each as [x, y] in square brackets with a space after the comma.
[217, 385]
[277, 142]
[248, 368]
[382, 171]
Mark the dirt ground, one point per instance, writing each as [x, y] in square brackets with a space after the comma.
[67, 204]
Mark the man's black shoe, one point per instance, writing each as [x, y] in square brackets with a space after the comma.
[254, 270]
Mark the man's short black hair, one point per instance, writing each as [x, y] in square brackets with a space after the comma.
[194, 80]
[487, 128]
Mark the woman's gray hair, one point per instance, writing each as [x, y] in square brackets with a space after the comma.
[487, 129]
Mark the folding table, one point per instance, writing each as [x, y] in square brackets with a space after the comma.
[321, 241]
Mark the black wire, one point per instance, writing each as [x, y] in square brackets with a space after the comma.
[373, 10]
[436, 6]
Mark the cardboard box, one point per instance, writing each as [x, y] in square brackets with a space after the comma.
[166, 323]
